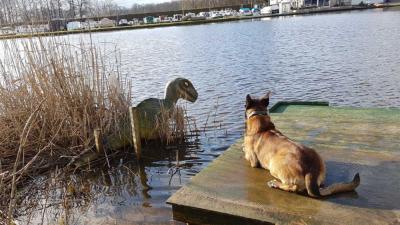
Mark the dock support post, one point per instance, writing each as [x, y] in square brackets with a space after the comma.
[133, 114]
[98, 140]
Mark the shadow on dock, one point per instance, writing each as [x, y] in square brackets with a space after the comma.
[380, 184]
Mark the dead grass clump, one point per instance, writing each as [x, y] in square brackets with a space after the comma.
[171, 124]
[52, 97]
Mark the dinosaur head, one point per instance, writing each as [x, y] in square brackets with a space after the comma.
[182, 88]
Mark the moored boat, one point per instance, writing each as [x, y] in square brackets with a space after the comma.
[245, 12]
[215, 15]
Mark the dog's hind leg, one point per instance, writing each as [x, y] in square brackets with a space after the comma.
[285, 187]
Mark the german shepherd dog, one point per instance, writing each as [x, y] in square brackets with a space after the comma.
[297, 168]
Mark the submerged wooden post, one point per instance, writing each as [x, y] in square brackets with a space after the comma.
[98, 140]
[134, 116]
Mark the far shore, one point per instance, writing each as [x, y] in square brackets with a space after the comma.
[186, 23]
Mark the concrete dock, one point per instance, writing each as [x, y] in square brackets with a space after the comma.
[350, 140]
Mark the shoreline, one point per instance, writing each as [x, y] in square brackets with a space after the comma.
[188, 23]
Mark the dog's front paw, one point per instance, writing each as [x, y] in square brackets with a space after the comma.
[273, 184]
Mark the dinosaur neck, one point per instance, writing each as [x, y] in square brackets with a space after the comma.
[171, 94]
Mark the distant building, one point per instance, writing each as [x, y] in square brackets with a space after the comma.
[298, 4]
[105, 22]
[90, 24]
[284, 6]
[74, 25]
[148, 19]
[333, 3]
[57, 24]
[274, 4]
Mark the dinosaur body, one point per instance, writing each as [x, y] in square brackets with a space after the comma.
[149, 109]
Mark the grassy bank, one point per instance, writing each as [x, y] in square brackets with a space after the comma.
[186, 23]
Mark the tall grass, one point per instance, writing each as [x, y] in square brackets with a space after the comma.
[52, 97]
[171, 124]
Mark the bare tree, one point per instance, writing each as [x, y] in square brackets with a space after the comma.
[14, 12]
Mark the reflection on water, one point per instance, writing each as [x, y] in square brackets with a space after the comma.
[128, 192]
[347, 58]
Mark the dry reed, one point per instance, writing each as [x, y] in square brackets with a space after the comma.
[171, 124]
[53, 96]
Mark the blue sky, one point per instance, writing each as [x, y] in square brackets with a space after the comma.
[129, 3]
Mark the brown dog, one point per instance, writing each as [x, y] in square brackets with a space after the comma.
[297, 168]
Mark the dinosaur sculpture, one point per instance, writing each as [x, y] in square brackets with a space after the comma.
[149, 109]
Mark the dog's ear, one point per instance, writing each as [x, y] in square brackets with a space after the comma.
[265, 99]
[249, 101]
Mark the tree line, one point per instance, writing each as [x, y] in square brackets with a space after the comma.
[190, 4]
[30, 11]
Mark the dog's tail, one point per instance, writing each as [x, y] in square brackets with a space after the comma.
[314, 191]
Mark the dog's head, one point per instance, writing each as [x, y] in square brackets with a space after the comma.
[257, 106]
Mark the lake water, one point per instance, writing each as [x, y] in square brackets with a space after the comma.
[348, 59]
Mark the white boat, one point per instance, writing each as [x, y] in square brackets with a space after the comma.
[228, 12]
[256, 11]
[193, 17]
[177, 17]
[266, 10]
[188, 16]
[275, 9]
[105, 22]
[123, 22]
[205, 14]
[245, 12]
[198, 17]
[215, 15]
[74, 25]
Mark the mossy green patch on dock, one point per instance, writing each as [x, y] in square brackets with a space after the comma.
[349, 139]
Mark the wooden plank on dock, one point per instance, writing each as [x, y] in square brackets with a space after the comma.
[350, 140]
